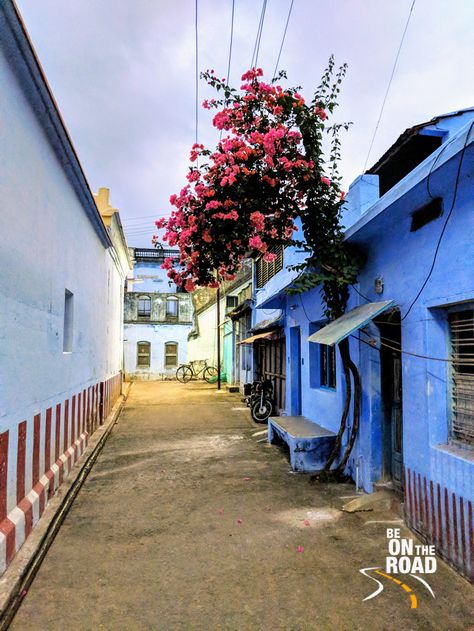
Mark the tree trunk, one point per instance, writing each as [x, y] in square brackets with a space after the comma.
[345, 356]
[356, 416]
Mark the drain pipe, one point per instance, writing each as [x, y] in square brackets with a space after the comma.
[358, 465]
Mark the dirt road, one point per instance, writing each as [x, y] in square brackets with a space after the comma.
[187, 522]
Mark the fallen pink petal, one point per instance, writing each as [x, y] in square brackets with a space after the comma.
[300, 549]
[239, 520]
[307, 522]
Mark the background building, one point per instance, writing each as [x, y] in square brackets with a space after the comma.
[60, 295]
[157, 318]
[236, 364]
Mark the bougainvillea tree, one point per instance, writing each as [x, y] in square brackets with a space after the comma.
[268, 169]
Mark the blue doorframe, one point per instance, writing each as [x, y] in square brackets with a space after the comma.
[295, 371]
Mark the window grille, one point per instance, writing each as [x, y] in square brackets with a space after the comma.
[265, 270]
[461, 324]
[171, 354]
[327, 365]
[144, 307]
[143, 354]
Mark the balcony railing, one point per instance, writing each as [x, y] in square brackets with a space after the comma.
[154, 255]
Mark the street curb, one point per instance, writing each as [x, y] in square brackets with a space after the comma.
[18, 577]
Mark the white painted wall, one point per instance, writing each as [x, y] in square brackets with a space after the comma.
[48, 244]
[157, 335]
[204, 346]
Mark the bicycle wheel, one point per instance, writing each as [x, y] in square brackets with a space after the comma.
[184, 374]
[261, 410]
[210, 374]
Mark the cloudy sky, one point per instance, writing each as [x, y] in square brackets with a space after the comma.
[123, 74]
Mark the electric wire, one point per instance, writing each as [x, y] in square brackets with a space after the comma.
[141, 218]
[230, 54]
[389, 85]
[400, 350]
[196, 33]
[256, 47]
[231, 42]
[283, 39]
[394, 348]
[435, 256]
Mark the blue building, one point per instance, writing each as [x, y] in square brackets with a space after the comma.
[412, 335]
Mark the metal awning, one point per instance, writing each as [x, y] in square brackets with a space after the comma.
[270, 323]
[260, 336]
[351, 321]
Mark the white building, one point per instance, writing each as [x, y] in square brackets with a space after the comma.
[158, 318]
[61, 292]
[234, 317]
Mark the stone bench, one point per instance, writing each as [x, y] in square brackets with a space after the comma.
[309, 443]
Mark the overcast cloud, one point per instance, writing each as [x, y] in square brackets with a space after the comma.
[122, 72]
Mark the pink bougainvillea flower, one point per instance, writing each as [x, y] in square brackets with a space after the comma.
[189, 286]
[321, 113]
[269, 257]
[206, 236]
[160, 223]
[326, 180]
[255, 242]
[342, 194]
[300, 549]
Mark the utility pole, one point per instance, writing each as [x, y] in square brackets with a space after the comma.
[218, 335]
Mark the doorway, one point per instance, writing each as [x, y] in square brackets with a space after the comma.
[295, 367]
[389, 325]
[271, 364]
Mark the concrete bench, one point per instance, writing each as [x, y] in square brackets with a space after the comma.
[309, 443]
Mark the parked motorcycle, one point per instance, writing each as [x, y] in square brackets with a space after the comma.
[259, 399]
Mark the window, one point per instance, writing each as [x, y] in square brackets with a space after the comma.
[172, 307]
[461, 325]
[230, 303]
[143, 355]
[426, 214]
[265, 271]
[68, 321]
[322, 362]
[327, 366]
[144, 307]
[171, 354]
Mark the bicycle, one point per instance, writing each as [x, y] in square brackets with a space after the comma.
[186, 372]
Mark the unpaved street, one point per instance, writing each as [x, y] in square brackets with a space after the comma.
[187, 522]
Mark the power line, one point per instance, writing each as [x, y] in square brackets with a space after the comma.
[256, 47]
[448, 360]
[283, 39]
[139, 218]
[435, 256]
[389, 84]
[231, 42]
[196, 69]
[230, 54]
